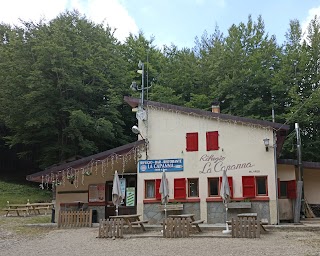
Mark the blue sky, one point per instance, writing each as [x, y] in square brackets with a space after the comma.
[169, 21]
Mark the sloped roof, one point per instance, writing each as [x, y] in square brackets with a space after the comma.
[134, 102]
[281, 129]
[84, 161]
[309, 165]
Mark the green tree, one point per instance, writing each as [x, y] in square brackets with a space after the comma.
[306, 93]
[61, 87]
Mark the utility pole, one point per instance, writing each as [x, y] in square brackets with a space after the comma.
[141, 65]
[299, 206]
[275, 167]
[299, 151]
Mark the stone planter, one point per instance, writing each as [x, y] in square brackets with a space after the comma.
[171, 207]
[239, 205]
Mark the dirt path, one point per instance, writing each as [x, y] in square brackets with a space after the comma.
[84, 242]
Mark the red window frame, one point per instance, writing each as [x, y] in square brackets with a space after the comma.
[180, 188]
[265, 178]
[212, 139]
[156, 187]
[209, 187]
[192, 141]
[197, 181]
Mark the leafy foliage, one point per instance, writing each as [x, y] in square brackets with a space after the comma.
[62, 83]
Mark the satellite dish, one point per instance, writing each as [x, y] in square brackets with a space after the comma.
[141, 115]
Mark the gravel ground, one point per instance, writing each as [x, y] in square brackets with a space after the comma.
[84, 242]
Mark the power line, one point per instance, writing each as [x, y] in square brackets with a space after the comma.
[288, 119]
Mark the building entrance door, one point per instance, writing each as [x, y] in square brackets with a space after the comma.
[129, 205]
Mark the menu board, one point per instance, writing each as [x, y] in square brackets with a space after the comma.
[130, 199]
[97, 193]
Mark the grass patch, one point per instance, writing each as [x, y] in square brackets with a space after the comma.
[20, 193]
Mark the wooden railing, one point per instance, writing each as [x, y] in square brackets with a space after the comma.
[72, 219]
[245, 227]
[111, 228]
[176, 227]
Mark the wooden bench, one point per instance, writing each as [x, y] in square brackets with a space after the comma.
[46, 208]
[131, 219]
[196, 224]
[140, 222]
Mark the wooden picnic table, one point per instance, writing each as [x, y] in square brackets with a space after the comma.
[190, 216]
[27, 208]
[17, 208]
[133, 219]
[36, 207]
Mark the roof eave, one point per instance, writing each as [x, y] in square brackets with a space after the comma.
[134, 102]
[36, 177]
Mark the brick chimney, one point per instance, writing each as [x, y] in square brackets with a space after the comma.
[215, 106]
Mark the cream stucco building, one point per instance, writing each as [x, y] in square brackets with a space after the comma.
[193, 146]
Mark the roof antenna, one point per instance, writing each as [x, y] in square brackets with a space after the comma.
[147, 74]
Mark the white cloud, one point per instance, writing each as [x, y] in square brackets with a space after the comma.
[110, 12]
[305, 23]
[13, 10]
[113, 13]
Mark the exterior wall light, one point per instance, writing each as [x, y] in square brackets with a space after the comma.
[266, 143]
[135, 129]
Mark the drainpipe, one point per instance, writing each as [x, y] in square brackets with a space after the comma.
[276, 167]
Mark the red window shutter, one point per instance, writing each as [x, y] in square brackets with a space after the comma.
[180, 188]
[292, 189]
[157, 186]
[248, 186]
[212, 140]
[230, 185]
[192, 141]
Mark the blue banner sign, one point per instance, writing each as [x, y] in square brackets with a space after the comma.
[168, 165]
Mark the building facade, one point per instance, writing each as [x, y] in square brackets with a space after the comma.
[194, 147]
[203, 144]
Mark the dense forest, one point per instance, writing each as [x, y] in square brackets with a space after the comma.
[62, 83]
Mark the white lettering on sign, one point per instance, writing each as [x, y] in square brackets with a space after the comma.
[216, 164]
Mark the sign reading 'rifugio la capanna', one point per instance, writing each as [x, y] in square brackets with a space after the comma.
[168, 165]
[217, 164]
